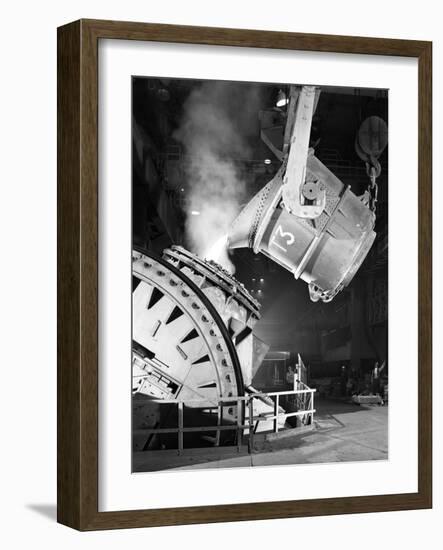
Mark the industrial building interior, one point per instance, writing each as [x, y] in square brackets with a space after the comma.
[339, 341]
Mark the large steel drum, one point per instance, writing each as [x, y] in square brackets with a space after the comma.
[192, 342]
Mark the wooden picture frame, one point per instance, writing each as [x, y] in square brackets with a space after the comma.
[78, 275]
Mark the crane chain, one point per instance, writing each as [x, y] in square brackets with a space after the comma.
[373, 170]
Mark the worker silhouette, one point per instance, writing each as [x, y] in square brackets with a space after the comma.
[376, 378]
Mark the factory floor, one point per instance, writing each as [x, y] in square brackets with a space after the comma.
[343, 432]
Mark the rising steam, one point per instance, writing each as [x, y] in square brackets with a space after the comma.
[210, 132]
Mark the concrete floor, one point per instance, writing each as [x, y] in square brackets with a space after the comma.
[344, 432]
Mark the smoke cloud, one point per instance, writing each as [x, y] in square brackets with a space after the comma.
[211, 132]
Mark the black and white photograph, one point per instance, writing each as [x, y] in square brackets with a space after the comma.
[260, 274]
[220, 290]
[226, 219]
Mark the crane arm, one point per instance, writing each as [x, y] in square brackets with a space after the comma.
[301, 198]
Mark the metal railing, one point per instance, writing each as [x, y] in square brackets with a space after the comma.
[302, 399]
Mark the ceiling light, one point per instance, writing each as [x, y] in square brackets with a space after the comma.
[282, 99]
[195, 213]
[267, 161]
[163, 94]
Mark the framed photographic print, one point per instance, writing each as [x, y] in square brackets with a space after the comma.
[244, 275]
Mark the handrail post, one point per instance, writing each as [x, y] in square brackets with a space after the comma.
[312, 407]
[239, 424]
[251, 424]
[180, 427]
[220, 423]
[276, 407]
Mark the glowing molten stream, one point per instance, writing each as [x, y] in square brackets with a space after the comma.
[218, 252]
